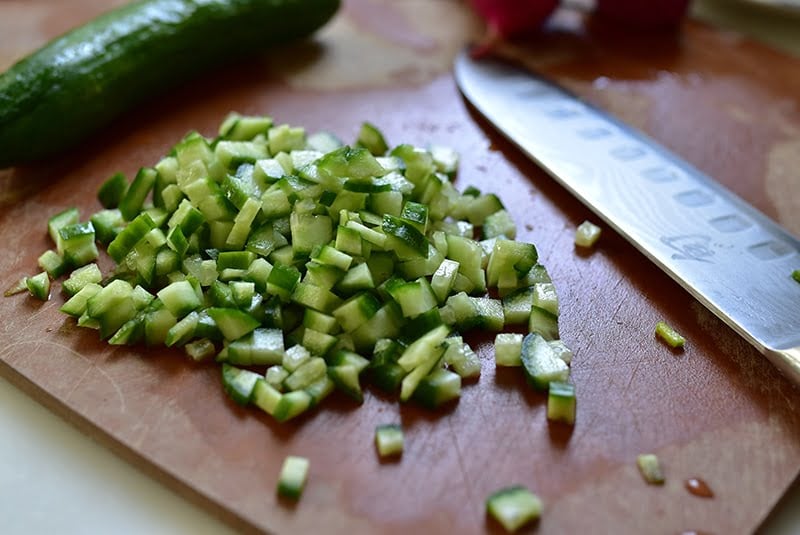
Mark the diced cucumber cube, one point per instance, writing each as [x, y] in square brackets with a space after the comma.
[389, 440]
[513, 507]
[545, 297]
[508, 349]
[295, 357]
[561, 402]
[650, 467]
[70, 216]
[179, 298]
[437, 388]
[345, 377]
[263, 346]
[39, 286]
[460, 356]
[233, 323]
[113, 190]
[53, 263]
[292, 480]
[238, 383]
[275, 376]
[672, 337]
[306, 374]
[540, 363]
[78, 279]
[587, 234]
[292, 404]
[265, 396]
[444, 278]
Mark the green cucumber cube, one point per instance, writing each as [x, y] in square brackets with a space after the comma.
[293, 477]
[508, 349]
[561, 402]
[389, 440]
[513, 507]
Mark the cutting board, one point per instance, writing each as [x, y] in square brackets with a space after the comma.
[716, 410]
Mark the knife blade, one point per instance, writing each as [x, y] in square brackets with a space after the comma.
[732, 258]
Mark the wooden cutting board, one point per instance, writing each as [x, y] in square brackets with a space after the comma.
[716, 410]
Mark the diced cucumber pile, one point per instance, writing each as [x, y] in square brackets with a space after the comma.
[303, 265]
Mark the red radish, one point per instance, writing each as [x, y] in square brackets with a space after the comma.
[507, 18]
[643, 13]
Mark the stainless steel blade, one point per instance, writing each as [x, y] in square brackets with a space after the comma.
[728, 255]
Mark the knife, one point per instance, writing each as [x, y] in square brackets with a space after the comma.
[732, 258]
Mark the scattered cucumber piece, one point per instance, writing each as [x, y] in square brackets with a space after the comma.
[561, 402]
[650, 467]
[514, 507]
[587, 234]
[389, 440]
[672, 337]
[20, 286]
[39, 286]
[292, 479]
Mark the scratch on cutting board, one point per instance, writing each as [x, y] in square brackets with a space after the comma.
[461, 465]
[77, 383]
[735, 348]
[38, 343]
[147, 430]
[633, 375]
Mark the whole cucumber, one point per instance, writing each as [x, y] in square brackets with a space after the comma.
[54, 98]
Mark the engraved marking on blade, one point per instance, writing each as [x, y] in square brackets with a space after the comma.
[730, 223]
[770, 250]
[690, 247]
[533, 91]
[694, 198]
[594, 133]
[563, 113]
[660, 174]
[627, 154]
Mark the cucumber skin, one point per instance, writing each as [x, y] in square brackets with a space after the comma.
[79, 82]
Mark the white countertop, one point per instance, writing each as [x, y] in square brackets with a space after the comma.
[54, 479]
